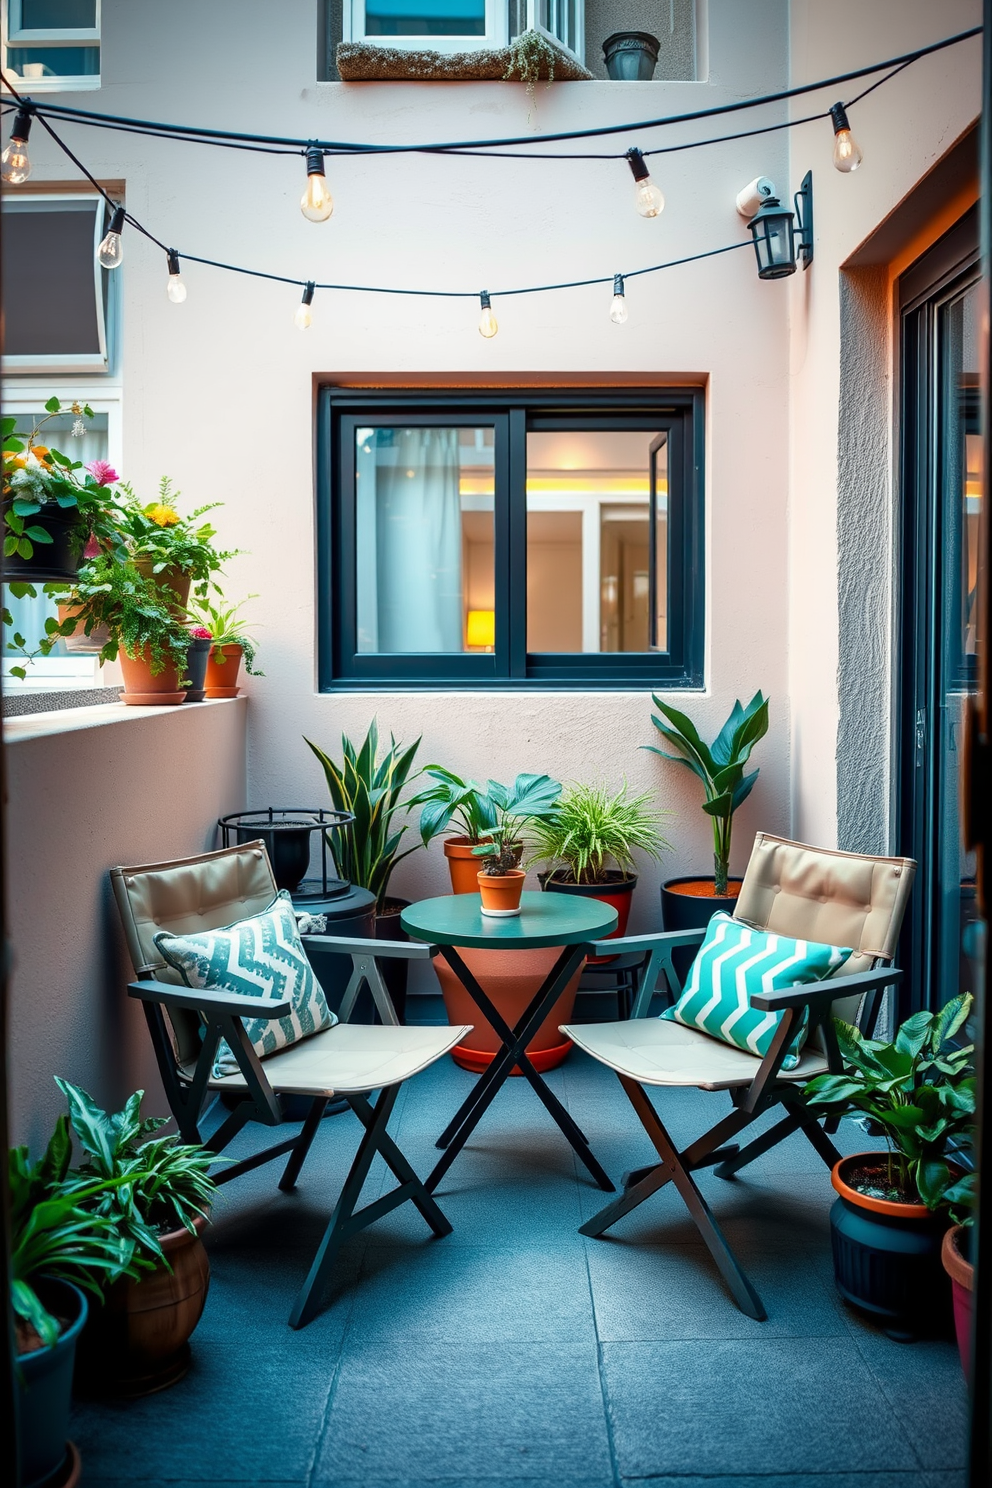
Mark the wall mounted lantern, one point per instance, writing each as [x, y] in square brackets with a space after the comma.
[777, 231]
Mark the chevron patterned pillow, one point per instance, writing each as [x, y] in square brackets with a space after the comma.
[735, 961]
[259, 957]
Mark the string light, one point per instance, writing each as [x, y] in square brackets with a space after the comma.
[847, 152]
[15, 166]
[175, 288]
[111, 251]
[488, 325]
[648, 198]
[316, 204]
[618, 309]
[303, 319]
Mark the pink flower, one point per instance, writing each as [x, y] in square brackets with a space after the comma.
[103, 472]
[200, 633]
[92, 548]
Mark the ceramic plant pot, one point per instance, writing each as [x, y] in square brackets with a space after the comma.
[79, 643]
[43, 1385]
[138, 1341]
[616, 890]
[500, 892]
[887, 1256]
[463, 865]
[962, 1274]
[222, 676]
[172, 579]
[511, 979]
[395, 973]
[631, 56]
[196, 671]
[143, 688]
[51, 561]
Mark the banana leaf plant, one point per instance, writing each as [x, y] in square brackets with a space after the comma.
[451, 799]
[720, 766]
[528, 799]
[918, 1092]
[367, 849]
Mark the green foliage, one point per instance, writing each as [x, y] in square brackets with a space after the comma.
[590, 827]
[226, 629]
[367, 850]
[158, 533]
[514, 808]
[720, 766]
[918, 1091]
[39, 479]
[451, 799]
[531, 57]
[145, 1185]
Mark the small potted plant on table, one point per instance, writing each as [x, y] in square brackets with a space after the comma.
[888, 1223]
[462, 802]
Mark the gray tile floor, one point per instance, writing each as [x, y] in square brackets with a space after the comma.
[514, 1352]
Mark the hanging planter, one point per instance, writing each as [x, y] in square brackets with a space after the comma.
[56, 536]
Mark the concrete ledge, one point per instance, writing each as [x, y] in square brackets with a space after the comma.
[102, 715]
[50, 699]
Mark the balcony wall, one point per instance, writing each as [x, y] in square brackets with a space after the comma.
[87, 790]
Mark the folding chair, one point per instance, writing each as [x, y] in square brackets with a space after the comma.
[217, 889]
[806, 893]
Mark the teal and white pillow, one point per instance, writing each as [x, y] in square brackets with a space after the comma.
[734, 962]
[259, 957]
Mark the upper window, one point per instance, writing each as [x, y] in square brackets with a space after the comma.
[536, 541]
[462, 25]
[49, 261]
[53, 44]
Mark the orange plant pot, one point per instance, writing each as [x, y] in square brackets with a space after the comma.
[510, 979]
[173, 579]
[222, 676]
[463, 865]
[142, 688]
[500, 892]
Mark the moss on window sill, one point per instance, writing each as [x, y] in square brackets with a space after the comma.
[366, 62]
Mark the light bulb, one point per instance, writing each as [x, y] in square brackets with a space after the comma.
[316, 203]
[111, 251]
[15, 166]
[175, 288]
[618, 309]
[847, 152]
[303, 318]
[488, 325]
[648, 198]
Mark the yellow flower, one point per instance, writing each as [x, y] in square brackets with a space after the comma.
[162, 516]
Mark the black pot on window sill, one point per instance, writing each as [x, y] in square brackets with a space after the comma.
[196, 669]
[631, 56]
[51, 561]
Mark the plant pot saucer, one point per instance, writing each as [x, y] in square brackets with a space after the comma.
[68, 1474]
[152, 699]
[499, 914]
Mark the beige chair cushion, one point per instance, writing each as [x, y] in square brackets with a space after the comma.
[653, 1051]
[349, 1058]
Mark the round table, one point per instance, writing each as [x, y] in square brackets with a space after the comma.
[455, 920]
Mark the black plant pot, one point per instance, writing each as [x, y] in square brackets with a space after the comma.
[50, 562]
[196, 668]
[44, 1388]
[680, 911]
[631, 56]
[394, 972]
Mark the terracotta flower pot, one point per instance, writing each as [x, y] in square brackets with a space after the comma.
[617, 890]
[142, 688]
[79, 643]
[962, 1274]
[172, 578]
[463, 865]
[510, 978]
[222, 676]
[138, 1341]
[501, 892]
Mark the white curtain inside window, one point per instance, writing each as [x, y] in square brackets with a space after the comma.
[409, 541]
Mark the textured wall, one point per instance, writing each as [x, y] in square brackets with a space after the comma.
[146, 786]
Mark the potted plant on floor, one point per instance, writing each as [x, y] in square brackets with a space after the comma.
[451, 800]
[60, 1251]
[155, 1192]
[55, 509]
[590, 829]
[688, 903]
[958, 1261]
[888, 1223]
[369, 786]
[230, 642]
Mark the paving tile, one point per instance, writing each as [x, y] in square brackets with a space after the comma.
[468, 1413]
[928, 1370]
[727, 1407]
[909, 1479]
[950, 1478]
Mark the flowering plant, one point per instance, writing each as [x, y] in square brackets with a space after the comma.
[224, 628]
[38, 479]
[158, 535]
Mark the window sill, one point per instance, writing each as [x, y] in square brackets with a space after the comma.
[43, 725]
[368, 62]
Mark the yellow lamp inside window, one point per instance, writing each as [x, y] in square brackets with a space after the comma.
[480, 629]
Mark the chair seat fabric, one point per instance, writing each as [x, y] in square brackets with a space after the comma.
[350, 1058]
[653, 1051]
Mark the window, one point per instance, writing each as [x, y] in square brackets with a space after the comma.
[49, 263]
[53, 44]
[537, 540]
[462, 25]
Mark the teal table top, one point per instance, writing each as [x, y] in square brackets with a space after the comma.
[544, 920]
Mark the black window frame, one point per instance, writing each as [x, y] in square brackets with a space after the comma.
[678, 412]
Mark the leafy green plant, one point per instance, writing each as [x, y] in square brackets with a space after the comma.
[142, 1184]
[918, 1092]
[369, 787]
[591, 827]
[453, 800]
[515, 807]
[531, 57]
[720, 766]
[159, 535]
[54, 1233]
[226, 629]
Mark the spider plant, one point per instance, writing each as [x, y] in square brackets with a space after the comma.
[591, 827]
